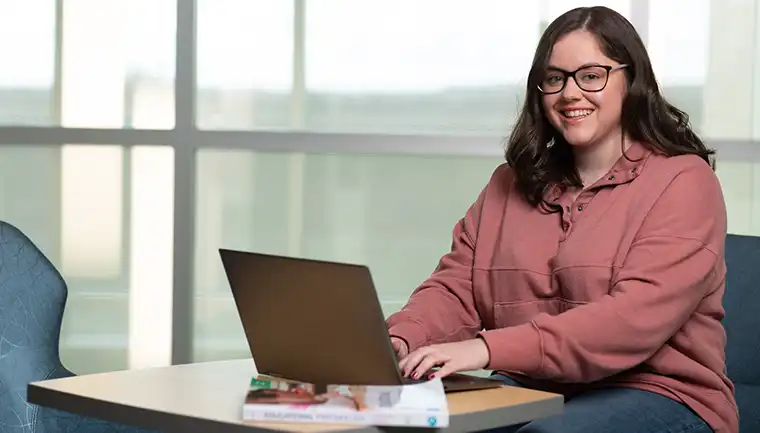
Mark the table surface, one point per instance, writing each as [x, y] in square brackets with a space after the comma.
[209, 397]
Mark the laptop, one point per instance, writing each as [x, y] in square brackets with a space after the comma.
[318, 322]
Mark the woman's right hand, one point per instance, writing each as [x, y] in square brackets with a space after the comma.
[400, 347]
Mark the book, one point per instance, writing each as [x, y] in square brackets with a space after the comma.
[421, 404]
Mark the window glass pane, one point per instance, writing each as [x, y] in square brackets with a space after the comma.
[27, 50]
[428, 66]
[680, 46]
[85, 208]
[118, 63]
[353, 208]
[244, 64]
[741, 188]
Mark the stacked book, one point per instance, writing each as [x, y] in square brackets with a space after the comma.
[417, 405]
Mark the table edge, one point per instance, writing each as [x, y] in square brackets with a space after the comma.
[39, 394]
[138, 416]
[519, 413]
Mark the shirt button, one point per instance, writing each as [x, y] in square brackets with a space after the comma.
[611, 177]
[580, 208]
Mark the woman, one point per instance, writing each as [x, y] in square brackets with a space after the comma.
[592, 263]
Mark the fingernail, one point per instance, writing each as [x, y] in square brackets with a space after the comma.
[416, 376]
[432, 376]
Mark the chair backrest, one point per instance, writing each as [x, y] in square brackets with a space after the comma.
[32, 298]
[742, 305]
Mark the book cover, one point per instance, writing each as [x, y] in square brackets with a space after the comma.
[418, 405]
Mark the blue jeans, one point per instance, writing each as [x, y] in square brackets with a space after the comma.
[619, 410]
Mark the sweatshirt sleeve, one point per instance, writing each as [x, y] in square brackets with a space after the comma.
[675, 261]
[443, 308]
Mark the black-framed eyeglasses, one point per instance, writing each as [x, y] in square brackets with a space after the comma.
[589, 78]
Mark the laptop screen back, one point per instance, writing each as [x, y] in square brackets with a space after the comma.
[309, 320]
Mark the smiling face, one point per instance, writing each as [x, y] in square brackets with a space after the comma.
[584, 118]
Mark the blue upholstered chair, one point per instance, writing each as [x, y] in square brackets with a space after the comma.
[32, 299]
[742, 304]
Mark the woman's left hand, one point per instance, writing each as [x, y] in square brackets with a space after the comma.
[450, 357]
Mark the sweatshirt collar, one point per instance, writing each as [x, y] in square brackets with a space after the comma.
[625, 169]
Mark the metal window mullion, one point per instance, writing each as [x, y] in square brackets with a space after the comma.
[309, 142]
[20, 135]
[57, 102]
[185, 66]
[298, 85]
[755, 76]
[185, 141]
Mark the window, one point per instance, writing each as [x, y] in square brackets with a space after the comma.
[102, 214]
[393, 213]
[680, 49]
[321, 128]
[245, 64]
[27, 47]
[118, 63]
[116, 70]
[430, 66]
[426, 67]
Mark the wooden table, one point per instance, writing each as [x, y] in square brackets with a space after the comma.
[207, 397]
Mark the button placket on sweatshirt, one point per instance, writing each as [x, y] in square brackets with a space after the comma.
[568, 217]
[574, 209]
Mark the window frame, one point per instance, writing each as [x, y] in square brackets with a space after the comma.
[185, 138]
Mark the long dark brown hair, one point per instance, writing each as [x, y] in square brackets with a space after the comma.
[540, 156]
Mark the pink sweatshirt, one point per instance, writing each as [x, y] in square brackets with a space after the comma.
[623, 287]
